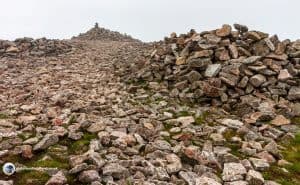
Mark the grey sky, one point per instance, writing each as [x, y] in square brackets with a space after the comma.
[147, 20]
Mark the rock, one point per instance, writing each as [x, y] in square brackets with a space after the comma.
[212, 70]
[254, 178]
[186, 121]
[206, 181]
[296, 109]
[235, 124]
[162, 174]
[251, 60]
[9, 182]
[257, 80]
[284, 75]
[199, 62]
[233, 172]
[180, 61]
[193, 76]
[174, 163]
[259, 164]
[78, 168]
[224, 31]
[115, 170]
[188, 177]
[294, 93]
[89, 176]
[57, 179]
[237, 183]
[240, 28]
[280, 120]
[27, 151]
[48, 140]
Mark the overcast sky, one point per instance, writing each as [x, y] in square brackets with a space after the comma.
[147, 20]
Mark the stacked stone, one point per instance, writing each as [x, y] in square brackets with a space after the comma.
[99, 33]
[33, 47]
[224, 66]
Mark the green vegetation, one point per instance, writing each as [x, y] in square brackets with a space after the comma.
[3, 116]
[202, 118]
[296, 120]
[72, 119]
[31, 178]
[292, 155]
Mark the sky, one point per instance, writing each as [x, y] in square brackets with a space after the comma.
[147, 20]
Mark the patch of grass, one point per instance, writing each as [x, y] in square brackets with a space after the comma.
[291, 154]
[31, 178]
[80, 146]
[296, 120]
[182, 114]
[202, 118]
[72, 119]
[3, 116]
[51, 163]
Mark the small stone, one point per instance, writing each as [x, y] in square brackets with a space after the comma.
[284, 75]
[224, 31]
[57, 179]
[186, 120]
[188, 177]
[48, 140]
[259, 164]
[251, 60]
[115, 170]
[174, 163]
[9, 182]
[241, 28]
[180, 61]
[233, 172]
[280, 120]
[27, 151]
[257, 80]
[255, 178]
[89, 176]
[231, 123]
[162, 174]
[212, 70]
[12, 49]
[203, 180]
[193, 76]
[294, 93]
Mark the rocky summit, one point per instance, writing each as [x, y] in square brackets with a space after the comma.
[219, 107]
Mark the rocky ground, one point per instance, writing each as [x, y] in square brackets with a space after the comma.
[219, 107]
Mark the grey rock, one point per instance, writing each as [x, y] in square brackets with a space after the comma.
[48, 140]
[212, 70]
[115, 170]
[294, 93]
[89, 176]
[233, 172]
[255, 178]
[257, 80]
[57, 179]
[188, 177]
[203, 180]
[259, 164]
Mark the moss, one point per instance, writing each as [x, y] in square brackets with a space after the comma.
[3, 116]
[291, 154]
[31, 178]
[72, 119]
[80, 146]
[296, 120]
[202, 118]
[182, 114]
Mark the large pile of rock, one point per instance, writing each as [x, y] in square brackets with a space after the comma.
[99, 33]
[226, 67]
[33, 47]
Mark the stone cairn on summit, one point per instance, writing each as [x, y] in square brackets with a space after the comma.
[99, 33]
[233, 69]
[33, 47]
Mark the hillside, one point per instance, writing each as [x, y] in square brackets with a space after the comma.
[209, 108]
